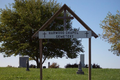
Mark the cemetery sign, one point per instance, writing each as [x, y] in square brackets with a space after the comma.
[64, 34]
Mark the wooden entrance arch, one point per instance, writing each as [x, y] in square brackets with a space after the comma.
[64, 8]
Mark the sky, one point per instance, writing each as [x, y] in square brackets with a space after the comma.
[92, 12]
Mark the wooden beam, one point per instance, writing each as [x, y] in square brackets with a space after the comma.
[80, 21]
[50, 20]
[65, 18]
[64, 7]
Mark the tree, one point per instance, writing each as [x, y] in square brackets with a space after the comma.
[17, 25]
[111, 31]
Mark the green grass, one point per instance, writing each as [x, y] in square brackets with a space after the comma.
[58, 74]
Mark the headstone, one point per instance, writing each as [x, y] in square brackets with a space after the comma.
[82, 60]
[27, 65]
[80, 69]
[91, 66]
[22, 61]
[48, 64]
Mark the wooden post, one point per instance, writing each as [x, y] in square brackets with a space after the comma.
[89, 70]
[40, 48]
[65, 20]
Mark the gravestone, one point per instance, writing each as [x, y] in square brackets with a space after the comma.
[22, 61]
[80, 69]
[27, 65]
[82, 60]
[48, 64]
[91, 66]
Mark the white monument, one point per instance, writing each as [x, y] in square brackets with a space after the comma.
[82, 60]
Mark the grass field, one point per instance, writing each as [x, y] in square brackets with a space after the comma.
[57, 74]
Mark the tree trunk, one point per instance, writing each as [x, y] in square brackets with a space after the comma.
[44, 60]
[38, 64]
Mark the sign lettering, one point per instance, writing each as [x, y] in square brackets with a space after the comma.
[64, 34]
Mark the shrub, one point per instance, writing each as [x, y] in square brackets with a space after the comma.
[71, 66]
[32, 66]
[68, 66]
[93, 66]
[96, 66]
[9, 66]
[86, 66]
[44, 67]
[54, 65]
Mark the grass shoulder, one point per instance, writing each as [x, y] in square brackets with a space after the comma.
[57, 74]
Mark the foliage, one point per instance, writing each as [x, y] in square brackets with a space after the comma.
[54, 65]
[44, 67]
[111, 31]
[32, 66]
[71, 66]
[93, 66]
[58, 74]
[86, 66]
[96, 66]
[19, 23]
[9, 66]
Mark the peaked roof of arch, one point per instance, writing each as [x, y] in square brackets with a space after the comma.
[57, 13]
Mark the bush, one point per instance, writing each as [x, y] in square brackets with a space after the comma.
[54, 65]
[71, 66]
[9, 66]
[68, 66]
[96, 66]
[86, 66]
[93, 66]
[44, 67]
[32, 66]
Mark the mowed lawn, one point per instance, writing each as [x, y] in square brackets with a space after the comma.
[57, 74]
